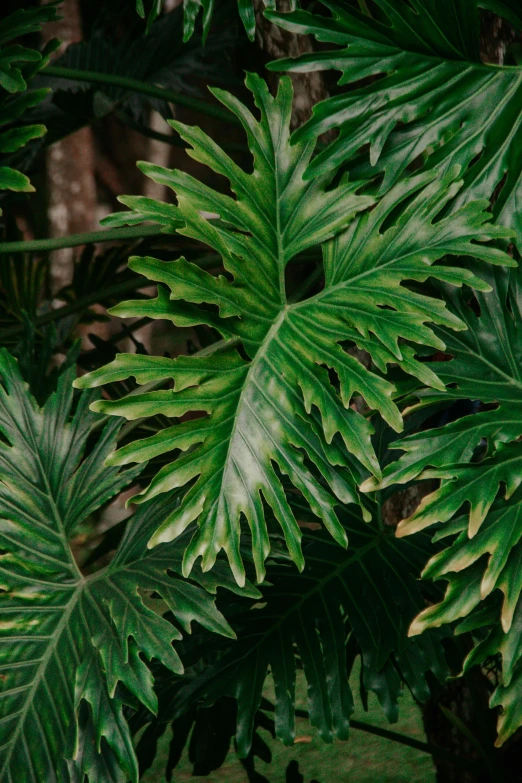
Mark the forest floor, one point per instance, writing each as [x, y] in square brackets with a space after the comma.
[365, 758]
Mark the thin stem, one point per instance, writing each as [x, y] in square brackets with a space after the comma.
[75, 240]
[135, 85]
[128, 330]
[80, 304]
[364, 7]
[402, 739]
[174, 140]
[380, 521]
[424, 747]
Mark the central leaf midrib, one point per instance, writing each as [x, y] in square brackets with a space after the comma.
[260, 354]
[33, 446]
[40, 675]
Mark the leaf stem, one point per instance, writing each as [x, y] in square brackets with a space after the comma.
[173, 140]
[380, 521]
[75, 240]
[364, 7]
[403, 739]
[80, 304]
[96, 296]
[424, 747]
[135, 85]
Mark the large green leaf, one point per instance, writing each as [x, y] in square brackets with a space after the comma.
[18, 65]
[193, 8]
[71, 644]
[433, 95]
[342, 605]
[478, 459]
[281, 406]
[159, 57]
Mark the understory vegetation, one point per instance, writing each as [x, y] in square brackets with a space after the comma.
[260, 388]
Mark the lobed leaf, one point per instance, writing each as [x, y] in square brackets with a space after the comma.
[428, 96]
[18, 65]
[478, 461]
[70, 657]
[288, 404]
[343, 604]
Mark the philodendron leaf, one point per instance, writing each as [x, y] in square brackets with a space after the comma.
[478, 460]
[426, 93]
[18, 65]
[361, 600]
[281, 406]
[71, 646]
[193, 8]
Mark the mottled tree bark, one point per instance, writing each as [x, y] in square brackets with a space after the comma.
[70, 168]
[276, 43]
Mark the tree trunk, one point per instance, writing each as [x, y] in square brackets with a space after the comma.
[275, 43]
[463, 707]
[70, 168]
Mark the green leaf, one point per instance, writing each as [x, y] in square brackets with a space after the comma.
[72, 644]
[14, 180]
[13, 139]
[478, 459]
[18, 65]
[192, 9]
[484, 366]
[280, 406]
[427, 92]
[156, 59]
[344, 603]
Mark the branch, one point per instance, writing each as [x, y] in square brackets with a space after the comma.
[135, 85]
[74, 240]
[402, 739]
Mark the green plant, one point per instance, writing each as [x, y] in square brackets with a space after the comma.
[477, 460]
[72, 641]
[316, 612]
[342, 321]
[191, 12]
[261, 408]
[430, 96]
[18, 65]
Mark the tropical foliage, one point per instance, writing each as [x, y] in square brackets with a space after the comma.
[433, 96]
[477, 460]
[262, 410]
[18, 66]
[327, 405]
[72, 642]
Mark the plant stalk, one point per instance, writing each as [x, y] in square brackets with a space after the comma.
[75, 240]
[135, 85]
[402, 739]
